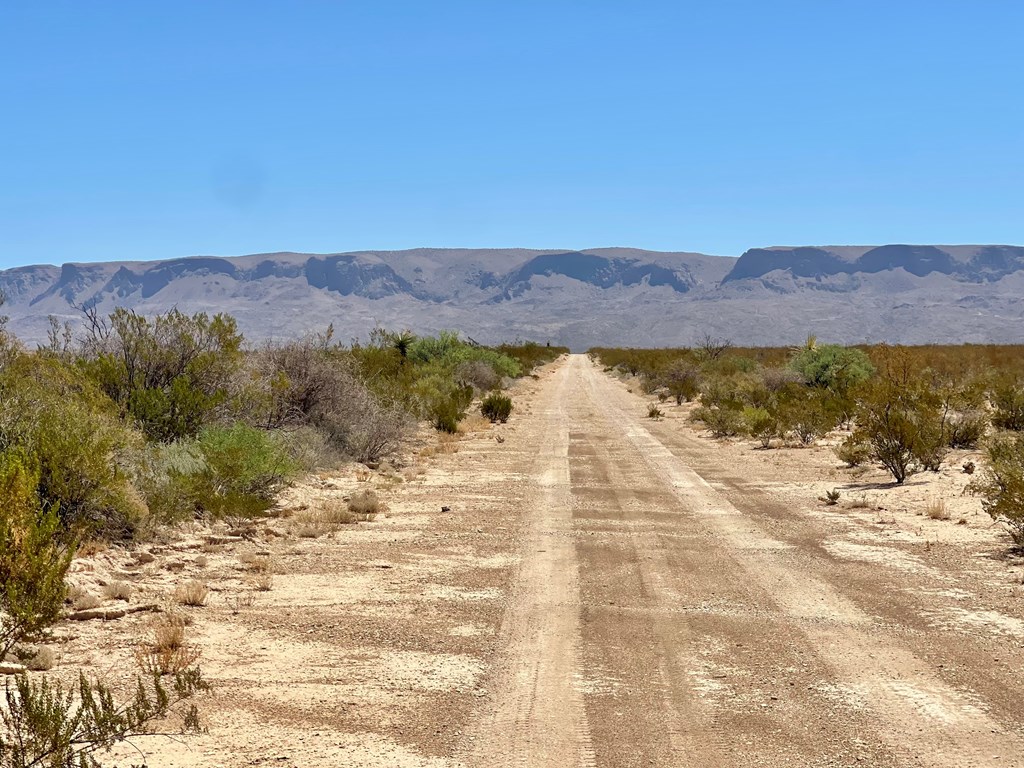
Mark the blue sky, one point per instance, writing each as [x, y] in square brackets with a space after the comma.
[150, 130]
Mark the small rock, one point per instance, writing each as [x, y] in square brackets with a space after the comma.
[144, 557]
[446, 509]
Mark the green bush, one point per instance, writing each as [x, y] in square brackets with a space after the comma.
[762, 424]
[71, 431]
[496, 407]
[35, 552]
[235, 470]
[831, 366]
[1002, 485]
[42, 723]
[721, 421]
[809, 414]
[1008, 406]
[171, 374]
[682, 380]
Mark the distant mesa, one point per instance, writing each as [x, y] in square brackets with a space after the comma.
[971, 263]
[598, 296]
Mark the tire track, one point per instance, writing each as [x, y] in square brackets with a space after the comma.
[536, 716]
[917, 711]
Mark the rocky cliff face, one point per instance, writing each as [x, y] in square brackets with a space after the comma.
[977, 264]
[910, 293]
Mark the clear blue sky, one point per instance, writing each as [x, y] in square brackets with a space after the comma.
[159, 129]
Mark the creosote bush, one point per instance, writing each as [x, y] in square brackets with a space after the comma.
[35, 552]
[44, 723]
[496, 407]
[1001, 485]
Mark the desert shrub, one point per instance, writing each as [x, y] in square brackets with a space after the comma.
[682, 380]
[313, 384]
[56, 416]
[721, 421]
[443, 402]
[809, 414]
[35, 552]
[364, 504]
[853, 451]
[234, 470]
[167, 651]
[496, 407]
[192, 593]
[899, 415]
[831, 366]
[1001, 486]
[530, 354]
[171, 374]
[966, 430]
[1008, 406]
[762, 424]
[477, 374]
[44, 723]
[654, 412]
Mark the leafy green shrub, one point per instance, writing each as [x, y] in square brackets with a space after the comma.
[35, 552]
[171, 374]
[831, 366]
[721, 421]
[443, 402]
[234, 470]
[45, 724]
[496, 407]
[56, 416]
[1008, 406]
[762, 424]
[1002, 484]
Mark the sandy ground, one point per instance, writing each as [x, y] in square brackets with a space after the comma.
[604, 590]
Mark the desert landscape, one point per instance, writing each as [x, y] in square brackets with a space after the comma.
[586, 584]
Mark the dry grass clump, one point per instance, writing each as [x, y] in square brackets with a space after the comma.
[365, 504]
[118, 590]
[264, 581]
[474, 422]
[168, 652]
[860, 502]
[445, 445]
[936, 510]
[85, 601]
[192, 593]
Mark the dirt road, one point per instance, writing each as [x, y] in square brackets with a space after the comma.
[606, 593]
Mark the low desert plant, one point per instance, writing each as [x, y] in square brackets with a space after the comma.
[264, 582]
[168, 652]
[117, 590]
[496, 407]
[853, 451]
[1001, 486]
[35, 553]
[831, 498]
[365, 504]
[654, 412]
[936, 510]
[44, 723]
[721, 421]
[192, 593]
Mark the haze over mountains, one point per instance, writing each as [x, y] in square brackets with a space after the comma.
[602, 296]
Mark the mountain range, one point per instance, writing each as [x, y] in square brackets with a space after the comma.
[601, 296]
